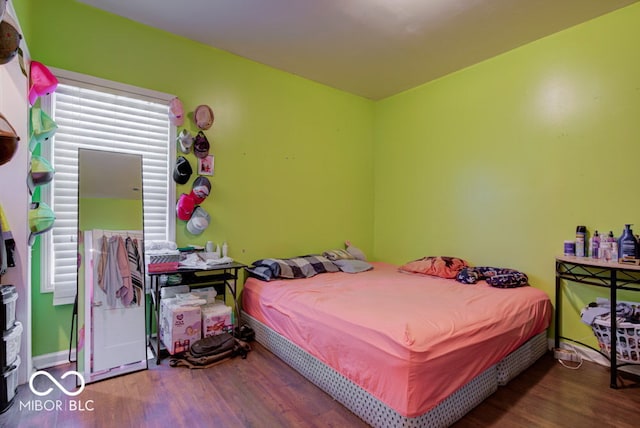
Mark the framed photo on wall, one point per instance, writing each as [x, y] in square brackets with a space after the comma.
[205, 165]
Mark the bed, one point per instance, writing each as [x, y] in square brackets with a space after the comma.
[399, 349]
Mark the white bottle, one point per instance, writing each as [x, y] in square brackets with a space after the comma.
[580, 247]
[217, 252]
[209, 247]
[614, 252]
[225, 249]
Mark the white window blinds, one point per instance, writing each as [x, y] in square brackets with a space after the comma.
[104, 115]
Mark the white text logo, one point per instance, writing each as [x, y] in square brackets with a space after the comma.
[56, 383]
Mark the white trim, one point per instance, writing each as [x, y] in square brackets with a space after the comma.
[53, 359]
[105, 85]
[46, 280]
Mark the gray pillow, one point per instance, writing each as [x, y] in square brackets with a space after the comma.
[352, 266]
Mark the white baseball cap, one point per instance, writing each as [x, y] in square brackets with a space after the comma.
[199, 221]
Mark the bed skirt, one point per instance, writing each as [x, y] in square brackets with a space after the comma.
[378, 414]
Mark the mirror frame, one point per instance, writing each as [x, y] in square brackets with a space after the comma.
[121, 190]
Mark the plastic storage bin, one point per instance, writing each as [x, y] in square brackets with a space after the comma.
[9, 387]
[10, 347]
[8, 298]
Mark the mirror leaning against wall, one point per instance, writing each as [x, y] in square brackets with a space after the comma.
[111, 332]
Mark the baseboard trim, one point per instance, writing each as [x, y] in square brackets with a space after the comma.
[593, 356]
[53, 359]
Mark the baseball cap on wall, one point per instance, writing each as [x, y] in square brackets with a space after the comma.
[41, 172]
[41, 220]
[185, 140]
[42, 127]
[182, 171]
[41, 81]
[201, 188]
[176, 112]
[185, 206]
[199, 221]
[201, 145]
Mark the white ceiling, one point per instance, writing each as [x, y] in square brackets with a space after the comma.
[372, 48]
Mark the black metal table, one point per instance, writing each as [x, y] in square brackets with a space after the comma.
[224, 276]
[599, 273]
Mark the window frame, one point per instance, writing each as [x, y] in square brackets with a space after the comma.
[47, 284]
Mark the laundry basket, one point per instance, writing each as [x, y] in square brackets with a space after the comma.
[627, 339]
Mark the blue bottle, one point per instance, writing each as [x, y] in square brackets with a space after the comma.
[627, 243]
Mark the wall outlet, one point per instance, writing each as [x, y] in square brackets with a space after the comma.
[566, 355]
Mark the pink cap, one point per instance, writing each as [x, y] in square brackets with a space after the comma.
[176, 112]
[42, 81]
[185, 206]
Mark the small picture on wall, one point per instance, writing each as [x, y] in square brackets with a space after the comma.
[205, 165]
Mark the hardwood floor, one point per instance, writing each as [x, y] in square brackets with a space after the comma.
[262, 391]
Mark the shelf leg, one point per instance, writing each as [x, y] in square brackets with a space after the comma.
[614, 338]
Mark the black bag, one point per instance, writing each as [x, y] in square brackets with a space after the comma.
[245, 332]
[207, 352]
[212, 345]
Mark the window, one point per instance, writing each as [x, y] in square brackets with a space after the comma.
[99, 114]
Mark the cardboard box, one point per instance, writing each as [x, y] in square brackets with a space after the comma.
[216, 319]
[180, 326]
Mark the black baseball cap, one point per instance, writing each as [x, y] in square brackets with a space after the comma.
[182, 171]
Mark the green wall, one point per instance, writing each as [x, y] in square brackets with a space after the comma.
[498, 163]
[293, 158]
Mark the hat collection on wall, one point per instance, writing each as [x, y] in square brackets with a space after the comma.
[188, 207]
[41, 129]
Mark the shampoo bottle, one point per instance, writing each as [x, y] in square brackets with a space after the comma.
[595, 245]
[627, 244]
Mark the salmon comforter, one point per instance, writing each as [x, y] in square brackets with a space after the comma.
[409, 340]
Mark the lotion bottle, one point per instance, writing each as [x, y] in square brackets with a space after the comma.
[627, 244]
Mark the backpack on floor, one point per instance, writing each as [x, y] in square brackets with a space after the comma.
[210, 351]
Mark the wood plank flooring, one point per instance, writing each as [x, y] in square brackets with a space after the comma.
[262, 391]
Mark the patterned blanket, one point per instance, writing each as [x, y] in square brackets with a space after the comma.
[298, 267]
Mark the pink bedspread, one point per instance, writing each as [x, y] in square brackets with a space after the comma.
[407, 339]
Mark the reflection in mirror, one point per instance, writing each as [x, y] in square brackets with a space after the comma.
[111, 334]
